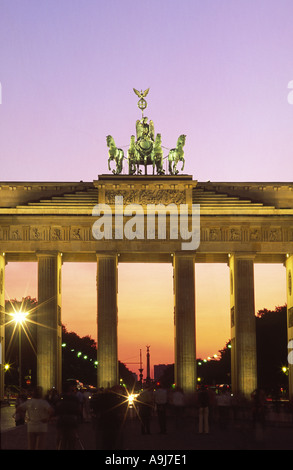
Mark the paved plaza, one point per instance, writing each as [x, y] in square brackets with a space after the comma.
[238, 435]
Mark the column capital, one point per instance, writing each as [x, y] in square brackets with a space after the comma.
[50, 255]
[107, 254]
[184, 254]
[3, 256]
[242, 255]
[53, 254]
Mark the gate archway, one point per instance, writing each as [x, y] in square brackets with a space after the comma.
[240, 224]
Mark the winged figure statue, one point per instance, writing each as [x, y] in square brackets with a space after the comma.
[142, 104]
[141, 94]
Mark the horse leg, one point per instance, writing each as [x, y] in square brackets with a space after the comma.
[119, 167]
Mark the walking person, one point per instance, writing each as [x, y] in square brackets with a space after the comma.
[224, 406]
[203, 401]
[178, 404]
[258, 413]
[145, 406]
[19, 415]
[161, 401]
[109, 413]
[86, 406]
[68, 419]
[38, 413]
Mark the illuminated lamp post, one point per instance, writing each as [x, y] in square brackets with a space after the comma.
[19, 319]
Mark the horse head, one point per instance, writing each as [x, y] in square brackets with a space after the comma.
[110, 141]
[181, 139]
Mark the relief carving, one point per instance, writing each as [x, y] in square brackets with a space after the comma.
[56, 234]
[255, 235]
[15, 234]
[76, 234]
[275, 235]
[35, 234]
[235, 235]
[147, 196]
[215, 234]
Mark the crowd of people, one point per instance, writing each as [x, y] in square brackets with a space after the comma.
[66, 410]
[107, 410]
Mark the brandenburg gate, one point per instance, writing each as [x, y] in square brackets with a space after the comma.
[55, 223]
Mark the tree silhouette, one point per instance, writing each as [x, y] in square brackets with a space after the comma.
[271, 340]
[79, 355]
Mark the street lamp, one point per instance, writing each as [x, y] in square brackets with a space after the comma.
[285, 370]
[19, 318]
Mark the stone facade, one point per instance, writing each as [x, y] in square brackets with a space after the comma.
[240, 224]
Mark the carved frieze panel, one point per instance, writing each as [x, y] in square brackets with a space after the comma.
[57, 233]
[275, 235]
[15, 233]
[215, 234]
[244, 234]
[147, 196]
[36, 233]
[212, 234]
[235, 234]
[76, 233]
[255, 234]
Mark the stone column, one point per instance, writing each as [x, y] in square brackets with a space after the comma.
[184, 319]
[289, 282]
[107, 287]
[243, 329]
[2, 324]
[49, 327]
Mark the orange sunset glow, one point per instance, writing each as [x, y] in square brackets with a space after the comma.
[145, 304]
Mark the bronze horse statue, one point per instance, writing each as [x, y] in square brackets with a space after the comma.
[115, 154]
[177, 155]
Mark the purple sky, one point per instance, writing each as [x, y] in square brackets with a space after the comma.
[218, 71]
